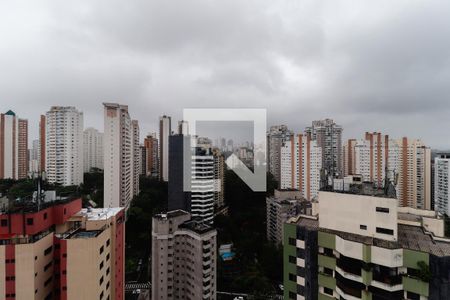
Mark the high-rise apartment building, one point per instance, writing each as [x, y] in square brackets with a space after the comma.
[405, 162]
[409, 164]
[22, 149]
[33, 157]
[13, 146]
[301, 164]
[119, 140]
[367, 157]
[183, 127]
[355, 246]
[219, 178]
[348, 157]
[441, 184]
[184, 258]
[57, 250]
[329, 138]
[202, 185]
[151, 155]
[196, 195]
[143, 160]
[136, 151]
[64, 145]
[280, 207]
[276, 137]
[165, 131]
[42, 143]
[93, 149]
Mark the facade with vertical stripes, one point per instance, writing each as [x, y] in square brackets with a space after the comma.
[13, 146]
[301, 164]
[405, 162]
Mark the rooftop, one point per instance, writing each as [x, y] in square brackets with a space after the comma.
[409, 237]
[171, 214]
[85, 234]
[96, 214]
[196, 226]
[365, 189]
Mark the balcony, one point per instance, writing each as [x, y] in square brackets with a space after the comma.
[415, 285]
[349, 265]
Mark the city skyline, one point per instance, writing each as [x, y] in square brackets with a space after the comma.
[384, 74]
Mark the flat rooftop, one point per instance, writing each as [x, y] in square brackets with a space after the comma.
[307, 222]
[196, 226]
[409, 237]
[364, 189]
[171, 214]
[85, 234]
[96, 214]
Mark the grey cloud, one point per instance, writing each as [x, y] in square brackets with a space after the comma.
[369, 65]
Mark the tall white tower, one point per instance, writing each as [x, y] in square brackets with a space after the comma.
[165, 131]
[118, 156]
[64, 145]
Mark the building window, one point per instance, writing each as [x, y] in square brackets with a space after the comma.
[4, 222]
[48, 250]
[45, 216]
[29, 221]
[382, 209]
[328, 291]
[292, 295]
[47, 266]
[101, 265]
[101, 249]
[292, 277]
[328, 271]
[385, 231]
[412, 296]
[108, 242]
[363, 227]
[48, 281]
[292, 241]
[292, 259]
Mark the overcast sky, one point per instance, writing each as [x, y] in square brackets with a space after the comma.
[370, 65]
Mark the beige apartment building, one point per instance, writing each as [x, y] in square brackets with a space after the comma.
[183, 258]
[13, 146]
[58, 250]
[405, 162]
[121, 156]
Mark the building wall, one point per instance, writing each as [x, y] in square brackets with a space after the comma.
[42, 143]
[164, 132]
[441, 185]
[84, 258]
[120, 178]
[276, 137]
[22, 149]
[301, 164]
[342, 213]
[64, 145]
[93, 149]
[413, 169]
[32, 259]
[13, 146]
[328, 136]
[178, 259]
[136, 157]
[152, 156]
